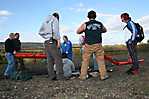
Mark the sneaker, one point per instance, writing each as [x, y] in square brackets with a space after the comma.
[84, 77]
[93, 74]
[105, 78]
[110, 70]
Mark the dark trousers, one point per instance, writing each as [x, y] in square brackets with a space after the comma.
[132, 49]
[19, 63]
[54, 57]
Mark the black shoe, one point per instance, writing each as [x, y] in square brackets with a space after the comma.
[61, 78]
[5, 77]
[52, 78]
[95, 71]
[89, 75]
[110, 70]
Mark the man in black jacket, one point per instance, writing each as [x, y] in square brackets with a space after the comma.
[10, 50]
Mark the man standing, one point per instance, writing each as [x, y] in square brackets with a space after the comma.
[131, 43]
[93, 44]
[10, 51]
[67, 47]
[50, 32]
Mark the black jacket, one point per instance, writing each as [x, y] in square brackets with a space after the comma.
[9, 45]
[17, 44]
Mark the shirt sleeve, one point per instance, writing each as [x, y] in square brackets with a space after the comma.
[134, 30]
[45, 30]
[68, 47]
[56, 28]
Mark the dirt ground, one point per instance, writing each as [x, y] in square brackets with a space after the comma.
[118, 86]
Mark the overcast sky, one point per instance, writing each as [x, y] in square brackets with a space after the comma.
[26, 17]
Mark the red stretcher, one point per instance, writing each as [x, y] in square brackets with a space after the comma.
[31, 55]
[43, 56]
[115, 62]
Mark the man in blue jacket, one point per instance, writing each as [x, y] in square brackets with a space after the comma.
[67, 47]
[131, 43]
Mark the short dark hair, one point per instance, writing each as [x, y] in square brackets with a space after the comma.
[56, 15]
[91, 14]
[125, 16]
[65, 37]
[17, 34]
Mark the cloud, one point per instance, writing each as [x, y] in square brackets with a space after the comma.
[3, 18]
[80, 7]
[65, 29]
[5, 13]
[144, 21]
[111, 21]
[114, 24]
[106, 15]
[70, 32]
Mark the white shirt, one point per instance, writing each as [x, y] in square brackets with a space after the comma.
[51, 24]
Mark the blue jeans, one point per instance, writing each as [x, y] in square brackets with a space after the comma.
[95, 65]
[11, 64]
[132, 49]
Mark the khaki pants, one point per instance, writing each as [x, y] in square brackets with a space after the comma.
[99, 53]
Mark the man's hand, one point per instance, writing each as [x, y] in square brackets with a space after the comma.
[104, 30]
[14, 52]
[58, 44]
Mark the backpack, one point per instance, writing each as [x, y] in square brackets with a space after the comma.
[140, 34]
[22, 75]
